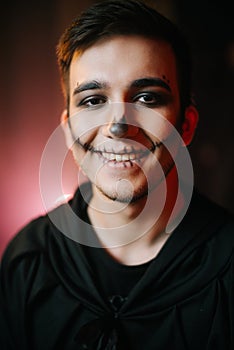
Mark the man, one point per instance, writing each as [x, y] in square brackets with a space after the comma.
[135, 269]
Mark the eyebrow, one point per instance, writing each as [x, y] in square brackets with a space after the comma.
[138, 83]
[146, 82]
[90, 85]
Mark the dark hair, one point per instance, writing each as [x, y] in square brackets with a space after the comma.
[120, 17]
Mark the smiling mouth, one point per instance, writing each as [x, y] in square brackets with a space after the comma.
[122, 157]
[125, 156]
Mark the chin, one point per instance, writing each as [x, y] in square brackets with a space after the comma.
[125, 195]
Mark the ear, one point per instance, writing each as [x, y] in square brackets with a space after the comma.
[189, 124]
[66, 128]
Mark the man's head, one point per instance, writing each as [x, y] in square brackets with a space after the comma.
[126, 76]
[119, 17]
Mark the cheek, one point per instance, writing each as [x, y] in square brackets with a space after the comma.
[168, 131]
[86, 123]
[78, 153]
[82, 159]
[157, 125]
[86, 137]
[83, 131]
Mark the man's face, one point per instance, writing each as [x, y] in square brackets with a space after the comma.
[128, 79]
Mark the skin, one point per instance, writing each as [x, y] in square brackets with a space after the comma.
[131, 80]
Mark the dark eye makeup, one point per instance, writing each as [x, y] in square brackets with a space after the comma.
[92, 101]
[149, 99]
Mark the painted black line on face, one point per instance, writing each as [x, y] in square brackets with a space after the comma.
[89, 147]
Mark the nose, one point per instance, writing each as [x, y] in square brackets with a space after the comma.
[119, 126]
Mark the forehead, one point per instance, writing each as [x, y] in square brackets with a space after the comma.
[124, 58]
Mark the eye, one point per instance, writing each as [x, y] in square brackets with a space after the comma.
[92, 101]
[150, 99]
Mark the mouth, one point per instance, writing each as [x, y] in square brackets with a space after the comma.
[122, 157]
[126, 156]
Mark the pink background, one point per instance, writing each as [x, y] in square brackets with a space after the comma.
[31, 100]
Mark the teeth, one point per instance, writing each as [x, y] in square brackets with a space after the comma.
[119, 157]
[125, 157]
[111, 156]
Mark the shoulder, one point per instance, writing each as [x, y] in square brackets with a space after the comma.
[31, 239]
[24, 255]
[25, 273]
[44, 234]
[215, 225]
[214, 213]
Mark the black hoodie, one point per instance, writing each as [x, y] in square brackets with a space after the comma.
[55, 292]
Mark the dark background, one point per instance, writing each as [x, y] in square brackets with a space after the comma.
[31, 100]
